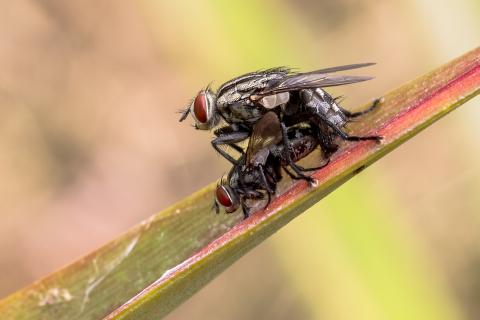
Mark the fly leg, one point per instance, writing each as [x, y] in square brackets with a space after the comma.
[216, 207]
[252, 194]
[245, 210]
[290, 174]
[372, 107]
[300, 176]
[314, 168]
[264, 180]
[325, 137]
[269, 199]
[229, 139]
[287, 151]
[345, 136]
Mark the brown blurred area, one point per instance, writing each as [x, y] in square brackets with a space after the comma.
[90, 142]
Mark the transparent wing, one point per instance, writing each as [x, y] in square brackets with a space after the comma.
[315, 79]
[266, 132]
[310, 81]
[343, 68]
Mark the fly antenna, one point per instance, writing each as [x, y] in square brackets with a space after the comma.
[184, 113]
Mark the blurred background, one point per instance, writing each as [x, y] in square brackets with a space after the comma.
[90, 145]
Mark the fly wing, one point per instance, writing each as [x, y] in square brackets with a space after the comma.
[266, 132]
[314, 79]
[310, 81]
[343, 68]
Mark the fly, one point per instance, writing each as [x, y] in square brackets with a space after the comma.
[295, 98]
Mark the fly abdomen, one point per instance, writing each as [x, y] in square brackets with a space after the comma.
[317, 102]
[303, 147]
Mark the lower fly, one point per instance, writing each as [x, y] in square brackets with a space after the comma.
[256, 174]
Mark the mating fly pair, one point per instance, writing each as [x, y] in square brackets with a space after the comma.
[271, 148]
[296, 99]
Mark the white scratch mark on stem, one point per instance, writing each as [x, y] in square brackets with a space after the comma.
[99, 276]
[164, 276]
[170, 271]
[53, 296]
[146, 223]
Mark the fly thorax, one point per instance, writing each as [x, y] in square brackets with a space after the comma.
[249, 179]
[229, 97]
[248, 175]
[243, 112]
[289, 109]
[306, 96]
[234, 180]
[277, 152]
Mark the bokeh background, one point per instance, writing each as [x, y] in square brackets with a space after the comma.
[90, 145]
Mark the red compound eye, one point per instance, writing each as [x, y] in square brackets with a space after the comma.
[200, 108]
[223, 197]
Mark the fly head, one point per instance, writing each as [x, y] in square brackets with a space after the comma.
[227, 198]
[203, 110]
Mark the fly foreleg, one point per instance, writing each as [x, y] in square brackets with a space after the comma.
[229, 139]
[216, 207]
